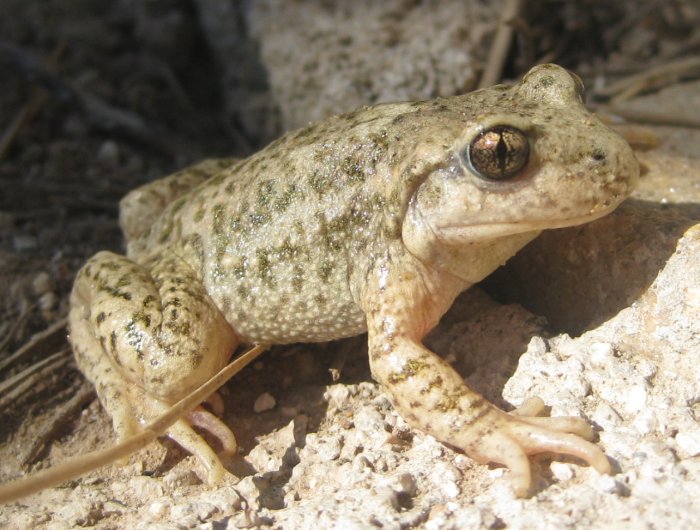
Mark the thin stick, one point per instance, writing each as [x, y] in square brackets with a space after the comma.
[58, 420]
[99, 112]
[12, 388]
[36, 100]
[36, 340]
[81, 465]
[500, 45]
[655, 117]
[655, 77]
[7, 339]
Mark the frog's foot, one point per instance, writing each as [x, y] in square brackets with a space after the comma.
[508, 439]
[140, 405]
[432, 397]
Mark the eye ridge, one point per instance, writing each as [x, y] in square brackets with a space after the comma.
[499, 153]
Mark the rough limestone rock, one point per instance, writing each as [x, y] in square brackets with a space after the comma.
[323, 58]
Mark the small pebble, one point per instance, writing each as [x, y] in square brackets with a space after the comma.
[601, 353]
[450, 489]
[157, 510]
[264, 402]
[329, 449]
[608, 484]
[181, 478]
[563, 472]
[108, 153]
[337, 395]
[635, 399]
[48, 301]
[195, 511]
[689, 442]
[41, 284]
[22, 242]
[361, 464]
[145, 487]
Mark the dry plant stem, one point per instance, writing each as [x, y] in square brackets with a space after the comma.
[500, 46]
[656, 77]
[85, 463]
[58, 327]
[100, 113]
[14, 387]
[16, 325]
[654, 117]
[57, 421]
[25, 115]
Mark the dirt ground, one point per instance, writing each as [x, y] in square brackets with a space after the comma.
[98, 97]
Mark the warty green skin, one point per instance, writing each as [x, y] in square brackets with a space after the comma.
[284, 239]
[372, 220]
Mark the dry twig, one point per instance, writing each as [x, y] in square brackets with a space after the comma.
[99, 113]
[59, 417]
[13, 388]
[36, 101]
[7, 339]
[501, 44]
[654, 116]
[36, 342]
[653, 78]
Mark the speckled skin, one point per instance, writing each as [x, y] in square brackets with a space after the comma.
[372, 220]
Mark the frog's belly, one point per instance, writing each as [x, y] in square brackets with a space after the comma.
[288, 303]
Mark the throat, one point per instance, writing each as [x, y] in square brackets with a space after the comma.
[471, 261]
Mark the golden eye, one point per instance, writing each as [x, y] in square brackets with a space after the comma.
[499, 153]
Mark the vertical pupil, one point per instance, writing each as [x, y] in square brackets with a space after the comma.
[501, 153]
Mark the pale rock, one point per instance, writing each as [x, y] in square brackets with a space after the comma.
[337, 395]
[563, 472]
[329, 449]
[689, 442]
[157, 510]
[264, 402]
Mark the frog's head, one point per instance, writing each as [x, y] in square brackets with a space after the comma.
[530, 158]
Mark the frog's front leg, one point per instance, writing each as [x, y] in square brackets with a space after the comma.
[402, 305]
[146, 335]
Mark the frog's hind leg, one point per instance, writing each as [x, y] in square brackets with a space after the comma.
[129, 406]
[146, 336]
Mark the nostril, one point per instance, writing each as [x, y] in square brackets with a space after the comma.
[598, 155]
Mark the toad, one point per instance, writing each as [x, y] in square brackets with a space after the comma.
[371, 221]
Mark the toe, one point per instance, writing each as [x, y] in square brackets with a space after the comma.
[185, 436]
[532, 406]
[504, 450]
[567, 424]
[207, 420]
[534, 440]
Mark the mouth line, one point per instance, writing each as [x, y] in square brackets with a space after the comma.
[527, 226]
